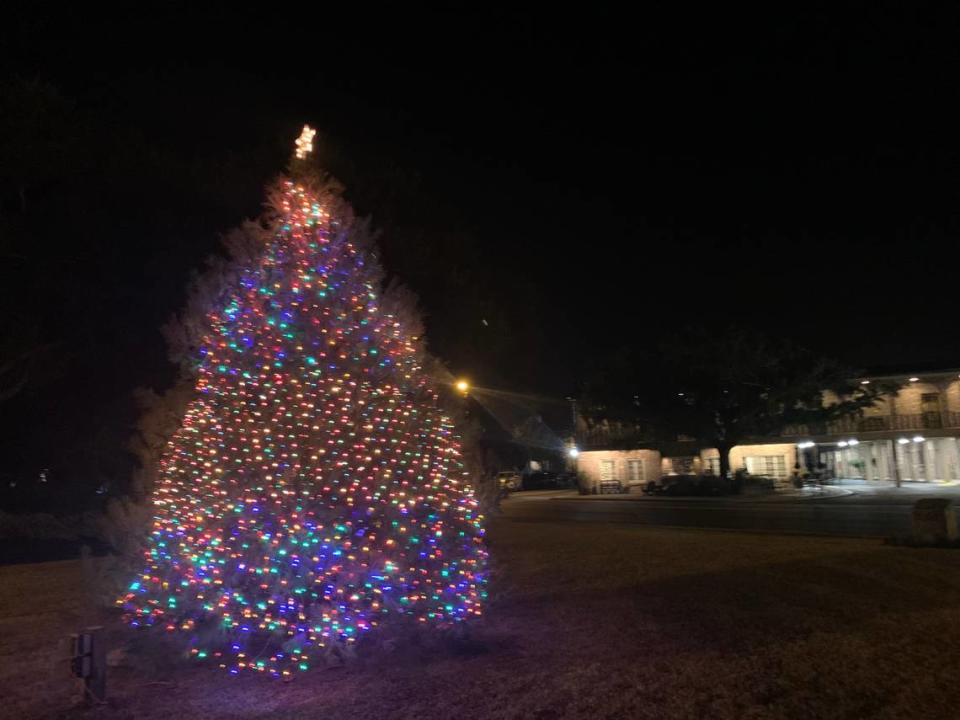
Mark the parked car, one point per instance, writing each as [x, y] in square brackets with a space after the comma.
[541, 481]
[689, 485]
[714, 485]
[509, 480]
[567, 480]
[679, 485]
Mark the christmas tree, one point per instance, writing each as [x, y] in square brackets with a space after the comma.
[314, 491]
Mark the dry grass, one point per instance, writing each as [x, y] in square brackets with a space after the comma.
[587, 621]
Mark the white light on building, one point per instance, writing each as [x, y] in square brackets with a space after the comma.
[853, 442]
[918, 438]
[573, 452]
[902, 441]
[842, 443]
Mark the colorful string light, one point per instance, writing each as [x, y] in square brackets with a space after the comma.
[314, 491]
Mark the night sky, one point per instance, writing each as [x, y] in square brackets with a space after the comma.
[552, 185]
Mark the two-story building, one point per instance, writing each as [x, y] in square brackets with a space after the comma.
[912, 435]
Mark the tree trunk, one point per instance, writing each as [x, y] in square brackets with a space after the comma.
[724, 450]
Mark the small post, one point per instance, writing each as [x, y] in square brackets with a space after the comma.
[934, 521]
[89, 662]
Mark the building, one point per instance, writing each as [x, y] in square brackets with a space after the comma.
[912, 435]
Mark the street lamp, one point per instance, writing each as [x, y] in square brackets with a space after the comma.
[463, 386]
[573, 453]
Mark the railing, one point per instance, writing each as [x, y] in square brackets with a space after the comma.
[918, 421]
[606, 436]
[877, 423]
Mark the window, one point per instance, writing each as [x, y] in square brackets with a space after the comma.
[608, 470]
[635, 472]
[682, 465]
[769, 465]
[930, 406]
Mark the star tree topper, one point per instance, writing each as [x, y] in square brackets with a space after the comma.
[305, 142]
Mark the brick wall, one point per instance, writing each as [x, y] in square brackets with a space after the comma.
[739, 454]
[909, 398]
[953, 396]
[654, 465]
[589, 464]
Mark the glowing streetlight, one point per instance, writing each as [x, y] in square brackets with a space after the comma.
[573, 453]
[463, 386]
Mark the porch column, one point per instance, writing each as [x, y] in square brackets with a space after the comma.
[884, 472]
[943, 405]
[895, 465]
[931, 460]
[937, 458]
[955, 458]
[866, 455]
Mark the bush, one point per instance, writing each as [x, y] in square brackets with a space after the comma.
[584, 486]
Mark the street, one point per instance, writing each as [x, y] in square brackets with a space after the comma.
[862, 512]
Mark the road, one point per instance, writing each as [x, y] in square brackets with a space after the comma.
[852, 516]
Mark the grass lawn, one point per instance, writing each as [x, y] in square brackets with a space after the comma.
[585, 621]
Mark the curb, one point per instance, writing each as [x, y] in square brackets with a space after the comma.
[774, 498]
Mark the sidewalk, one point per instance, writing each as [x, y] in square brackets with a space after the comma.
[786, 495]
[872, 492]
[883, 492]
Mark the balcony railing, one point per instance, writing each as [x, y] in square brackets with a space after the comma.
[604, 436]
[878, 423]
[607, 436]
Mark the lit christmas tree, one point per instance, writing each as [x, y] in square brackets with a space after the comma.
[314, 491]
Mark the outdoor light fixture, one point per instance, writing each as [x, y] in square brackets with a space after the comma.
[573, 452]
[914, 379]
[842, 443]
[864, 382]
[463, 386]
[902, 441]
[805, 445]
[853, 442]
[918, 438]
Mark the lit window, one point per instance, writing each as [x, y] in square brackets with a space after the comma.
[608, 470]
[769, 465]
[635, 471]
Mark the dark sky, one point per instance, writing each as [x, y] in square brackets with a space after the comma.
[577, 180]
